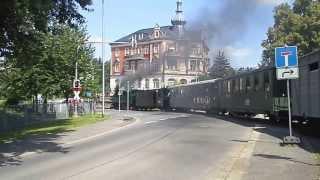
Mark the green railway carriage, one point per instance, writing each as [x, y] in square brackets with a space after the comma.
[123, 100]
[196, 96]
[306, 89]
[257, 92]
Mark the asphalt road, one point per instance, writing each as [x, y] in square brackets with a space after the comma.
[159, 146]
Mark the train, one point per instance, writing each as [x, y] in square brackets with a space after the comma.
[246, 94]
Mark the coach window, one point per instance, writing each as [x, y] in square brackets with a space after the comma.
[266, 81]
[234, 86]
[256, 82]
[147, 83]
[241, 84]
[248, 83]
[314, 66]
[181, 91]
[229, 87]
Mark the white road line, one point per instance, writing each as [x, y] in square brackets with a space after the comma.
[102, 134]
[163, 119]
[150, 122]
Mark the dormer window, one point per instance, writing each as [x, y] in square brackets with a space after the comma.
[157, 34]
[141, 36]
[156, 31]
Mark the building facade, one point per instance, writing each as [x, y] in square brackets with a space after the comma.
[160, 56]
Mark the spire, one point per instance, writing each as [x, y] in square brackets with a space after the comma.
[178, 21]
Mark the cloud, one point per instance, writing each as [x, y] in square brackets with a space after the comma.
[272, 2]
[241, 57]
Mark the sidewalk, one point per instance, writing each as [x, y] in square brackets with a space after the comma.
[10, 153]
[265, 157]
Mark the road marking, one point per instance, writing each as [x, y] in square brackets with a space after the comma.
[150, 122]
[102, 134]
[163, 119]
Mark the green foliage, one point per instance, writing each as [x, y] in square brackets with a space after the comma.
[50, 68]
[21, 21]
[94, 81]
[297, 25]
[221, 67]
[244, 70]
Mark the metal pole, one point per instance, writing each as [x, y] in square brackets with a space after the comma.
[119, 104]
[128, 92]
[102, 52]
[119, 96]
[76, 75]
[289, 107]
[76, 78]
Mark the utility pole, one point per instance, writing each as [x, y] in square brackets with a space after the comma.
[76, 101]
[102, 54]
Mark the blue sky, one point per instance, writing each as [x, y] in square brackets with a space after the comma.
[123, 17]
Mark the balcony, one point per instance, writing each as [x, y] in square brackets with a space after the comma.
[135, 57]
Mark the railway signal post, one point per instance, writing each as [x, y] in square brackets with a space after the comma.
[286, 62]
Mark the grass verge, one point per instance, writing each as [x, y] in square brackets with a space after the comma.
[52, 127]
[318, 157]
[2, 102]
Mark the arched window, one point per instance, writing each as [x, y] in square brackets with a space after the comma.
[172, 82]
[117, 66]
[147, 83]
[156, 83]
[183, 81]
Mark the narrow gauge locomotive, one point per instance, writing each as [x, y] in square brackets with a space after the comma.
[251, 93]
[142, 99]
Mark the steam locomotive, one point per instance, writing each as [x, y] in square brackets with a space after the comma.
[249, 94]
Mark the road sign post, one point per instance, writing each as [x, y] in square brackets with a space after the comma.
[286, 62]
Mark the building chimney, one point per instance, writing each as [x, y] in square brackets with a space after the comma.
[178, 21]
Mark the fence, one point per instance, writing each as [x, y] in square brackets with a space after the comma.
[19, 116]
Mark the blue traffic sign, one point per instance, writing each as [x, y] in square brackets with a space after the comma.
[286, 57]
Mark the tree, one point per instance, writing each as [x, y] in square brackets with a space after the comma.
[94, 83]
[52, 69]
[221, 67]
[297, 25]
[21, 21]
[245, 70]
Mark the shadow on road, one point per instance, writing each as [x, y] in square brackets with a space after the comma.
[10, 152]
[277, 130]
[267, 156]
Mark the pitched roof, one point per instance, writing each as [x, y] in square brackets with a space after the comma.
[168, 32]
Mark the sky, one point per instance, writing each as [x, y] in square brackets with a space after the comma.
[122, 17]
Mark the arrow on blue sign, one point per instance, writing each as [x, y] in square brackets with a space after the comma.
[286, 57]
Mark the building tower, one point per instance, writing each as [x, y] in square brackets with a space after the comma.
[178, 21]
